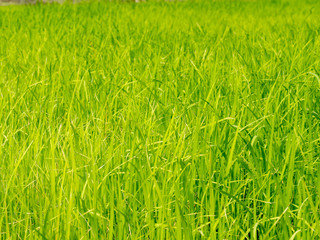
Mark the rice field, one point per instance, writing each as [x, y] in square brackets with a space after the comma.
[160, 120]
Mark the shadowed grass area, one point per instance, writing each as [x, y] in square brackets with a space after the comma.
[190, 120]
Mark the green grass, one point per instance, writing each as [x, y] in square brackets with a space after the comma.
[190, 120]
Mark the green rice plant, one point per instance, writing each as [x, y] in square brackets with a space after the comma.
[158, 120]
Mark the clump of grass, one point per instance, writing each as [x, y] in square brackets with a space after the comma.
[190, 120]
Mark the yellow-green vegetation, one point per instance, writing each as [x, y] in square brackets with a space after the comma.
[181, 120]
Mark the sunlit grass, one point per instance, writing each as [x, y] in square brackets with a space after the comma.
[160, 121]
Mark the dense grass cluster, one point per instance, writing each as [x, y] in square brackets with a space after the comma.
[188, 120]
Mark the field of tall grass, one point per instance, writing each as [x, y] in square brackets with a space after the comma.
[181, 120]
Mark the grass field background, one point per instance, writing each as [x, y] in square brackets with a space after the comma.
[183, 120]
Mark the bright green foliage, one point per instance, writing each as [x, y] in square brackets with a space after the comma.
[190, 120]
